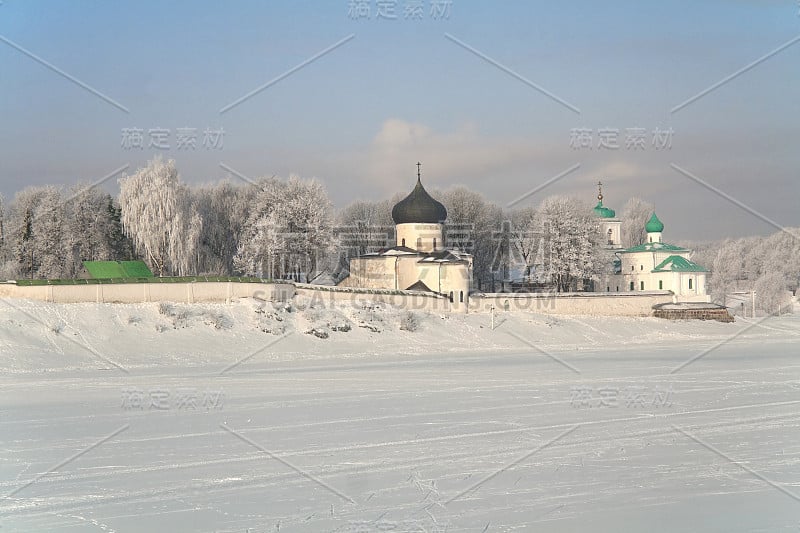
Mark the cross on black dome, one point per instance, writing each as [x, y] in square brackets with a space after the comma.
[419, 207]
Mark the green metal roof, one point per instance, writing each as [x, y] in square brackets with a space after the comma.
[603, 211]
[654, 225]
[677, 263]
[654, 247]
[117, 269]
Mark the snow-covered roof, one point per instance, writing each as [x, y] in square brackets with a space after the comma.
[443, 256]
[653, 247]
[418, 286]
[394, 250]
[677, 263]
[398, 250]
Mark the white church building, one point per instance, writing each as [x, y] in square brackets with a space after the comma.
[420, 259]
[653, 265]
[656, 265]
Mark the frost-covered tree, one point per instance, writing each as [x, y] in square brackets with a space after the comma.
[726, 270]
[306, 242]
[288, 232]
[364, 226]
[49, 234]
[771, 293]
[34, 233]
[780, 253]
[572, 243]
[48, 226]
[223, 208]
[473, 225]
[635, 215]
[8, 268]
[20, 234]
[257, 253]
[160, 219]
[91, 228]
[184, 240]
[741, 264]
[525, 237]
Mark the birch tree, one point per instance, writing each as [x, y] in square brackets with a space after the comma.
[158, 216]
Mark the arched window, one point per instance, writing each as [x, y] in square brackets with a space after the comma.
[631, 285]
[660, 284]
[419, 243]
[434, 243]
[403, 243]
[641, 285]
[690, 283]
[451, 296]
[461, 296]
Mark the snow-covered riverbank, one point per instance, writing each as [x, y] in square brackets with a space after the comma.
[38, 337]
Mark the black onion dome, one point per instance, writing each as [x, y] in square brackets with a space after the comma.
[419, 207]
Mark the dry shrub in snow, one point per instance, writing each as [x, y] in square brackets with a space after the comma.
[409, 321]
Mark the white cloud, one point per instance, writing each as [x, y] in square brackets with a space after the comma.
[462, 156]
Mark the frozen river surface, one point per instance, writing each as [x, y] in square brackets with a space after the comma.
[626, 438]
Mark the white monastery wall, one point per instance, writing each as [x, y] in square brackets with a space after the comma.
[611, 304]
[593, 303]
[149, 292]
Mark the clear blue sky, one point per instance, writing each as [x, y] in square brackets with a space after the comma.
[360, 117]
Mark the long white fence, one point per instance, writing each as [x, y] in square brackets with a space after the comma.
[616, 304]
[207, 291]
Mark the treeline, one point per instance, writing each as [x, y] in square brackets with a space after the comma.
[770, 266]
[278, 228]
[47, 233]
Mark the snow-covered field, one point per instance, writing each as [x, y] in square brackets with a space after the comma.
[193, 418]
